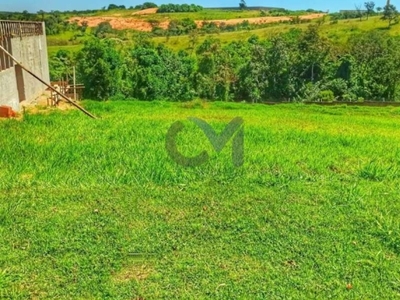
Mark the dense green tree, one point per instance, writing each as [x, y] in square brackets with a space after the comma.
[242, 4]
[56, 23]
[296, 65]
[193, 38]
[314, 50]
[253, 77]
[281, 57]
[390, 13]
[102, 29]
[41, 13]
[369, 6]
[112, 6]
[146, 5]
[84, 26]
[99, 65]
[61, 65]
[376, 66]
[152, 76]
[205, 80]
[172, 8]
[179, 27]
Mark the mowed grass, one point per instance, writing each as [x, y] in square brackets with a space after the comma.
[96, 209]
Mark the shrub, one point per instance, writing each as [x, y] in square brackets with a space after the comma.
[326, 96]
[349, 97]
[102, 29]
[197, 103]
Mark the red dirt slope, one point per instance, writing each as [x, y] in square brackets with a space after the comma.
[143, 25]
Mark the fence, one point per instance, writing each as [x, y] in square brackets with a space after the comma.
[12, 29]
[5, 61]
[73, 92]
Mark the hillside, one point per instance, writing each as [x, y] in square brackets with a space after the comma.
[135, 23]
[146, 20]
[337, 31]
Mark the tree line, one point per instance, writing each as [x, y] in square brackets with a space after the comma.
[172, 8]
[389, 12]
[56, 21]
[293, 66]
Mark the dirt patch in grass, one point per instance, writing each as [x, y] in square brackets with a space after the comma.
[118, 23]
[41, 105]
[133, 272]
[148, 11]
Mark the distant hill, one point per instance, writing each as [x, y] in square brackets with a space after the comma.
[248, 8]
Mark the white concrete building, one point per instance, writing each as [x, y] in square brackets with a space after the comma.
[26, 41]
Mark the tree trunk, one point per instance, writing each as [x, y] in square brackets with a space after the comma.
[312, 72]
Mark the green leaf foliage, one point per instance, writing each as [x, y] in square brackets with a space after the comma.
[298, 65]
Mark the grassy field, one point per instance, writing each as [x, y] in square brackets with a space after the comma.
[96, 209]
[205, 14]
[338, 33]
[52, 50]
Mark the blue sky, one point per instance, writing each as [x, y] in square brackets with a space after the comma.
[47, 5]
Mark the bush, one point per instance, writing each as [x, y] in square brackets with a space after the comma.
[326, 96]
[349, 97]
[102, 29]
[197, 103]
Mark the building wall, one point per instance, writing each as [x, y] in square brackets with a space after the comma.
[8, 89]
[17, 85]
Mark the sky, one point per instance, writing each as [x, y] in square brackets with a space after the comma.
[48, 5]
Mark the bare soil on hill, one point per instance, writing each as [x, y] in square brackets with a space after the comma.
[120, 23]
[148, 11]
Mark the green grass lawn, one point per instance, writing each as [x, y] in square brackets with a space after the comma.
[52, 50]
[96, 209]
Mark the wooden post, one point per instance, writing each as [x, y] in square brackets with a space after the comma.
[74, 84]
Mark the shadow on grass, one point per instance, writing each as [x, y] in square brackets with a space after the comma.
[385, 28]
